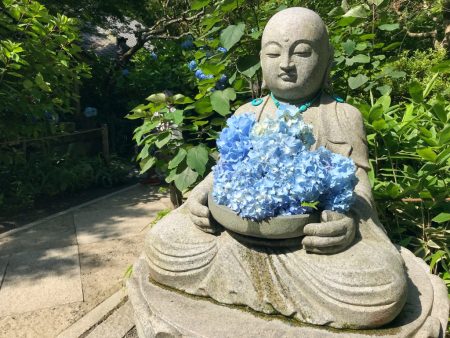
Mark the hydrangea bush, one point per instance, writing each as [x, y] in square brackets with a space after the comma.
[267, 168]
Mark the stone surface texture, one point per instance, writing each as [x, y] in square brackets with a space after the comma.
[160, 312]
[51, 281]
[344, 273]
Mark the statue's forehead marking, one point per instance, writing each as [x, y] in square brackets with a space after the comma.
[286, 39]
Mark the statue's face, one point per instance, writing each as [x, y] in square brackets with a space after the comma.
[295, 54]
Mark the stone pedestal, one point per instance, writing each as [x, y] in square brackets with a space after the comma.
[160, 312]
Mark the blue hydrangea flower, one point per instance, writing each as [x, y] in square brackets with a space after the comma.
[202, 76]
[222, 49]
[223, 78]
[192, 65]
[153, 55]
[267, 169]
[187, 44]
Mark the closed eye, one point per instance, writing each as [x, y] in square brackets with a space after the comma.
[303, 53]
[272, 55]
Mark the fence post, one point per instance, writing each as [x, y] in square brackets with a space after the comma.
[105, 142]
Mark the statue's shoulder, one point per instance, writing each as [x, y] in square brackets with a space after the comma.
[253, 106]
[350, 112]
[347, 115]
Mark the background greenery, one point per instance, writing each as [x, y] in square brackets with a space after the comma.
[391, 61]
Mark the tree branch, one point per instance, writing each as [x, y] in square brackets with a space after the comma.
[157, 31]
[431, 34]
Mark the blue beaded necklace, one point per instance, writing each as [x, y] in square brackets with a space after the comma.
[302, 108]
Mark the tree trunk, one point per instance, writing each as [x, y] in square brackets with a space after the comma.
[176, 197]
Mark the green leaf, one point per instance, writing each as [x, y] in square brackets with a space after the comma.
[360, 11]
[360, 58]
[442, 67]
[392, 46]
[230, 93]
[346, 21]
[427, 154]
[376, 112]
[197, 158]
[375, 2]
[181, 99]
[438, 109]
[444, 136]
[163, 139]
[231, 35]
[203, 105]
[436, 257]
[157, 98]
[185, 179]
[310, 204]
[349, 46]
[430, 85]
[384, 90]
[144, 152]
[179, 157]
[416, 91]
[229, 5]
[198, 4]
[357, 81]
[27, 84]
[213, 69]
[389, 27]
[171, 176]
[176, 116]
[365, 37]
[220, 103]
[147, 163]
[248, 65]
[39, 80]
[442, 217]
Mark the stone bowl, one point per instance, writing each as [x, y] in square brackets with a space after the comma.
[280, 227]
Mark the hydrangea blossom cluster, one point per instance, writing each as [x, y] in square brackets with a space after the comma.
[267, 169]
[199, 74]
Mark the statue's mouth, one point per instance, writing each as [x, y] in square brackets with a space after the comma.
[288, 77]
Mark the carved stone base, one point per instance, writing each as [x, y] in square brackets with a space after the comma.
[160, 312]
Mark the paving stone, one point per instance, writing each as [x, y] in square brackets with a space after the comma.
[41, 279]
[57, 232]
[139, 194]
[3, 265]
[105, 222]
[117, 325]
[103, 265]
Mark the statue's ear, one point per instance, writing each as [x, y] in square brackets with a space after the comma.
[327, 79]
[263, 82]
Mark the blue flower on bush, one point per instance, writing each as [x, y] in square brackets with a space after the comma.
[202, 76]
[153, 55]
[222, 50]
[192, 65]
[125, 72]
[266, 168]
[187, 44]
[223, 79]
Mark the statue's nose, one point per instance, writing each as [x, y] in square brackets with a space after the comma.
[286, 64]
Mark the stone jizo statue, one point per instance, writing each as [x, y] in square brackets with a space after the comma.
[345, 272]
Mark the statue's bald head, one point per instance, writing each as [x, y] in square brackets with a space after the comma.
[296, 53]
[303, 22]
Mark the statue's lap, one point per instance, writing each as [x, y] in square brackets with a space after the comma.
[363, 286]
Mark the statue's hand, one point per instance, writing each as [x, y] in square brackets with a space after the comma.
[199, 212]
[334, 234]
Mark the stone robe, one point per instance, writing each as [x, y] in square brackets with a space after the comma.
[363, 286]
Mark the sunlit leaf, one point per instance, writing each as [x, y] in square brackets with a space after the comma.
[231, 35]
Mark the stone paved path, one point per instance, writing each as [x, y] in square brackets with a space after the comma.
[57, 270]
